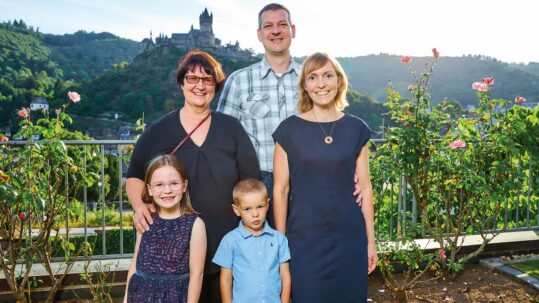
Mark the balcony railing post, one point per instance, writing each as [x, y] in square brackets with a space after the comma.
[66, 169]
[517, 200]
[103, 206]
[85, 195]
[120, 198]
[529, 191]
[391, 210]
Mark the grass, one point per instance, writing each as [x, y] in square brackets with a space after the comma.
[529, 267]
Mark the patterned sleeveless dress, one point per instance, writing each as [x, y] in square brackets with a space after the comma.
[162, 274]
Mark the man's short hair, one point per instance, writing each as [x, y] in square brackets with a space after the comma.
[273, 7]
[248, 186]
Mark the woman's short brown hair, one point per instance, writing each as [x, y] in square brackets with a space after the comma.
[314, 62]
[197, 58]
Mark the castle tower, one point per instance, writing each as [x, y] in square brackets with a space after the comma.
[206, 21]
[206, 37]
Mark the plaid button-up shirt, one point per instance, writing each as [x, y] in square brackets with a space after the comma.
[261, 99]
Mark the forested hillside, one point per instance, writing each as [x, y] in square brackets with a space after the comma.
[25, 69]
[83, 56]
[532, 67]
[452, 77]
[114, 77]
[33, 64]
[147, 85]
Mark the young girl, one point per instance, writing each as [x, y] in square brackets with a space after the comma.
[168, 262]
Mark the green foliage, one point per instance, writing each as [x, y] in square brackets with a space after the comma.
[403, 254]
[112, 242]
[461, 172]
[26, 70]
[452, 81]
[37, 182]
[33, 64]
[366, 108]
[83, 56]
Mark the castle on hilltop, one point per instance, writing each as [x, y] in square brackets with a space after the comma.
[202, 38]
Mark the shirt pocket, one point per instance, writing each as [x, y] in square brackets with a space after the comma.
[256, 106]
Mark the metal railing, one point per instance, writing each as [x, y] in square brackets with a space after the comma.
[102, 152]
[401, 210]
[402, 207]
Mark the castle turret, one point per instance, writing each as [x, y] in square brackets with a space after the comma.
[206, 21]
[206, 37]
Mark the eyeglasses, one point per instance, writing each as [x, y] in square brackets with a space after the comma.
[192, 79]
[174, 186]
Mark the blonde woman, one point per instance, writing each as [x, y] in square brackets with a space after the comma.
[316, 156]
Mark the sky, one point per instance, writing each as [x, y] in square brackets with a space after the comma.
[501, 29]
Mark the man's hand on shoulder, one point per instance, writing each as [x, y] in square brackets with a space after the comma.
[143, 217]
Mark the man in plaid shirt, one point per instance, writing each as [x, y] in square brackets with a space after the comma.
[265, 93]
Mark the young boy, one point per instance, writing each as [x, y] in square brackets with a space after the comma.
[253, 257]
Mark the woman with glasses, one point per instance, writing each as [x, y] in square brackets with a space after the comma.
[214, 148]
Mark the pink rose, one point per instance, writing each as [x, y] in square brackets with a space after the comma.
[435, 53]
[3, 138]
[406, 59]
[441, 254]
[457, 144]
[411, 87]
[22, 215]
[23, 113]
[74, 96]
[520, 99]
[488, 80]
[480, 86]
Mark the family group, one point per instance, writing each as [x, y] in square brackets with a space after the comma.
[280, 154]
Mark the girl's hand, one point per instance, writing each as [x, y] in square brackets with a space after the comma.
[372, 257]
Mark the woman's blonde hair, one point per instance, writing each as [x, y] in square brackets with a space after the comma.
[161, 161]
[314, 62]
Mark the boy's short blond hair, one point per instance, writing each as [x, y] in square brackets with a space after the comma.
[248, 186]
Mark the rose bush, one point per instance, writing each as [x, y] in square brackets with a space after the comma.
[462, 172]
[39, 180]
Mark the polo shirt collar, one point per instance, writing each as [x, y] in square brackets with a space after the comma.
[266, 68]
[246, 234]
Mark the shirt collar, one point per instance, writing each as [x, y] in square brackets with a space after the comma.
[246, 234]
[266, 68]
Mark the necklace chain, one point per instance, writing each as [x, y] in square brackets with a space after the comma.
[328, 139]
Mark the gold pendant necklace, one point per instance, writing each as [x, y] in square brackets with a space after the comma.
[328, 139]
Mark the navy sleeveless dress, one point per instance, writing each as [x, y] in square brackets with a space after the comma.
[163, 262]
[325, 227]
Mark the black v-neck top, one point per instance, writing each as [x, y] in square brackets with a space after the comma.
[225, 157]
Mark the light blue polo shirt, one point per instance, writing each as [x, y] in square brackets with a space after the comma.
[254, 261]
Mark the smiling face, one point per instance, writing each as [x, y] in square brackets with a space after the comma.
[276, 32]
[167, 188]
[252, 209]
[198, 95]
[322, 85]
